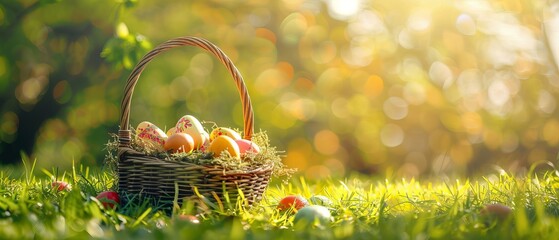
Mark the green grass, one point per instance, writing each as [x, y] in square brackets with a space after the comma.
[363, 208]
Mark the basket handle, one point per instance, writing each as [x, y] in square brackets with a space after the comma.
[124, 134]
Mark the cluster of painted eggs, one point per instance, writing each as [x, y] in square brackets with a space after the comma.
[189, 135]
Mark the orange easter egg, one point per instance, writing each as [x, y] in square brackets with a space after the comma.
[179, 142]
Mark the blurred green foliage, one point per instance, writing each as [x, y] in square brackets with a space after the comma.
[392, 87]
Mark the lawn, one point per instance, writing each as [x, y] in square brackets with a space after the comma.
[361, 208]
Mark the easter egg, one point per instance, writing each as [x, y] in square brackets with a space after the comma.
[204, 147]
[314, 214]
[189, 219]
[224, 143]
[321, 200]
[292, 201]
[246, 146]
[109, 199]
[150, 135]
[497, 210]
[191, 125]
[224, 131]
[179, 142]
[60, 185]
[171, 131]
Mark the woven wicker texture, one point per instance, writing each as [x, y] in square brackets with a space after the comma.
[139, 173]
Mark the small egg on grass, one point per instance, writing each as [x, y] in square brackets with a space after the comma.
[189, 218]
[321, 200]
[313, 215]
[292, 201]
[496, 210]
[61, 185]
[109, 199]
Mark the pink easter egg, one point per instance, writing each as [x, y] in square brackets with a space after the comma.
[246, 146]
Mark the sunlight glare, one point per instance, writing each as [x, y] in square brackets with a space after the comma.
[466, 25]
[343, 9]
[392, 135]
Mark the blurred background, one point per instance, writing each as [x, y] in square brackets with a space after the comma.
[406, 88]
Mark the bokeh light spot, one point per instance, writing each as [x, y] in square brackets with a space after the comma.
[62, 92]
[260, 17]
[469, 82]
[324, 52]
[418, 159]
[441, 74]
[392, 135]
[414, 93]
[498, 93]
[293, 27]
[466, 24]
[317, 172]
[300, 108]
[546, 102]
[343, 9]
[336, 166]
[408, 170]
[339, 108]
[419, 20]
[358, 105]
[9, 126]
[326, 142]
[270, 81]
[472, 123]
[266, 34]
[373, 86]
[395, 108]
[366, 23]
[303, 84]
[299, 153]
[29, 90]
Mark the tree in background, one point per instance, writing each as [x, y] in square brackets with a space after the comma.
[52, 75]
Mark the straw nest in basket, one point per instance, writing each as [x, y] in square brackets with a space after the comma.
[268, 156]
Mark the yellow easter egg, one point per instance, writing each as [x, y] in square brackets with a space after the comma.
[190, 125]
[150, 135]
[171, 131]
[224, 143]
[224, 131]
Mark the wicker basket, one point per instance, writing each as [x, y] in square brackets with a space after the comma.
[150, 176]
